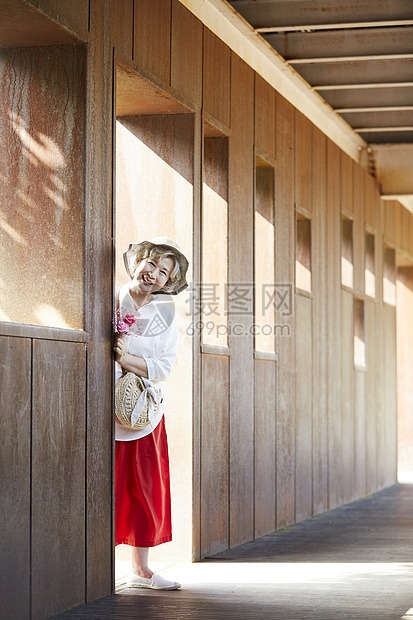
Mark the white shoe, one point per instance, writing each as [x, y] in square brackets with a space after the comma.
[156, 582]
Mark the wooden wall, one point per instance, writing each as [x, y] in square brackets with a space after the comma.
[274, 436]
[55, 336]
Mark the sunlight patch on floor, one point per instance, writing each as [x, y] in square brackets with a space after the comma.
[270, 573]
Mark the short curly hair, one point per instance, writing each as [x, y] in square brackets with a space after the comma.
[157, 253]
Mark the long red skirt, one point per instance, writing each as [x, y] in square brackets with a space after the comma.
[142, 490]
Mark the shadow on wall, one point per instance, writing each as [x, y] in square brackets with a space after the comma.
[42, 126]
[154, 181]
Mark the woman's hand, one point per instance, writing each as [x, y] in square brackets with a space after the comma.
[131, 363]
[120, 348]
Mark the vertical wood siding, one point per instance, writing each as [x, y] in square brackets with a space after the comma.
[58, 476]
[214, 454]
[334, 318]
[285, 345]
[216, 78]
[15, 467]
[186, 54]
[152, 39]
[303, 408]
[320, 328]
[264, 116]
[265, 443]
[240, 276]
[98, 303]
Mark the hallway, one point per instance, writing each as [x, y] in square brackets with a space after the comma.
[352, 563]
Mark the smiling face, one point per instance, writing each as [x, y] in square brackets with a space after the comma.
[151, 275]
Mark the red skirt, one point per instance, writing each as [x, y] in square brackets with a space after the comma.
[142, 490]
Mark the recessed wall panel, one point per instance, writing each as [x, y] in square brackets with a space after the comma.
[42, 116]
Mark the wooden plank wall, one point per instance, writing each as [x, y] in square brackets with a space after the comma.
[241, 277]
[99, 231]
[319, 452]
[58, 476]
[285, 345]
[320, 473]
[265, 370]
[15, 423]
[58, 425]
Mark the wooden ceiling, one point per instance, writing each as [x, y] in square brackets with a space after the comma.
[357, 54]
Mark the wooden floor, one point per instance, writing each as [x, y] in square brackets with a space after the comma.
[355, 562]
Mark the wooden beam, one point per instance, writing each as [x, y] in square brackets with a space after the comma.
[337, 26]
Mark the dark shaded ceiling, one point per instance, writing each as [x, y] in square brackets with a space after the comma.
[357, 54]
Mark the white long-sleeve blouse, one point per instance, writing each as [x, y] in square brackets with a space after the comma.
[156, 341]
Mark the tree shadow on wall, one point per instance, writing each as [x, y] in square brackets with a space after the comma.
[42, 127]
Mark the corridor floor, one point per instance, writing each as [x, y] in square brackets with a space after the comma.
[355, 562]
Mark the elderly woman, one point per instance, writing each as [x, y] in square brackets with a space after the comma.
[142, 488]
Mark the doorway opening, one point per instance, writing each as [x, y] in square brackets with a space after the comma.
[154, 196]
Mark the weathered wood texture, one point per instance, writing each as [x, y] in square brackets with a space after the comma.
[265, 444]
[304, 408]
[319, 325]
[214, 228]
[359, 230]
[303, 162]
[334, 385]
[21, 26]
[98, 303]
[285, 342]
[390, 209]
[123, 27]
[196, 267]
[360, 434]
[387, 429]
[240, 302]
[264, 262]
[15, 475]
[264, 116]
[215, 454]
[42, 97]
[372, 395]
[347, 383]
[371, 210]
[186, 54]
[217, 79]
[58, 476]
[346, 184]
[73, 16]
[152, 39]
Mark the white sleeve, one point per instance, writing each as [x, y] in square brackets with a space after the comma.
[160, 366]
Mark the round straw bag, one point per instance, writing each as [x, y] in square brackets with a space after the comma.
[127, 392]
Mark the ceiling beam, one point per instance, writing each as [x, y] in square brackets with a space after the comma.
[374, 71]
[400, 108]
[385, 129]
[224, 21]
[339, 26]
[361, 86]
[354, 42]
[378, 57]
[267, 13]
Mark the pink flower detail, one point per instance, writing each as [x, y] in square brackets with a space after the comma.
[122, 327]
[129, 319]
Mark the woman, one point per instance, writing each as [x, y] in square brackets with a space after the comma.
[142, 489]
